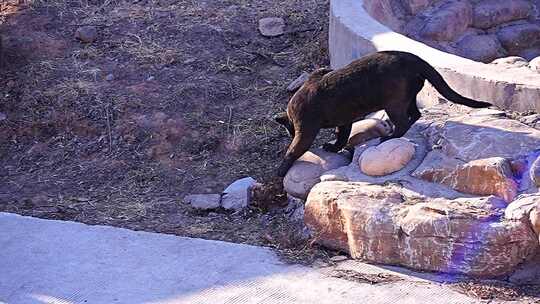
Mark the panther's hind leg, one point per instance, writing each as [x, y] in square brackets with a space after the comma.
[342, 134]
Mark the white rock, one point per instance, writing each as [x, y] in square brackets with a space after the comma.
[535, 64]
[306, 171]
[203, 201]
[511, 61]
[237, 195]
[388, 157]
[272, 26]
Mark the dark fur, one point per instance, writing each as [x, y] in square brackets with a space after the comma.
[386, 81]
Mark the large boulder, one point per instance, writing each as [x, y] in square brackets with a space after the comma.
[306, 171]
[517, 37]
[448, 22]
[414, 6]
[471, 137]
[388, 157]
[489, 176]
[382, 224]
[484, 48]
[491, 13]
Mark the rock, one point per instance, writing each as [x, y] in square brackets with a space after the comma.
[515, 38]
[469, 137]
[490, 176]
[203, 201]
[333, 177]
[414, 6]
[306, 171]
[381, 224]
[535, 64]
[530, 120]
[298, 82]
[109, 77]
[86, 34]
[367, 129]
[483, 48]
[535, 219]
[388, 12]
[520, 209]
[528, 273]
[3, 116]
[534, 172]
[295, 209]
[237, 195]
[388, 157]
[513, 61]
[530, 54]
[338, 258]
[491, 13]
[448, 22]
[271, 26]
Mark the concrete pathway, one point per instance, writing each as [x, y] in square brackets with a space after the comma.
[44, 261]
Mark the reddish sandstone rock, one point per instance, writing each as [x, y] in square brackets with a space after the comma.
[382, 225]
[490, 176]
[448, 22]
[472, 136]
[490, 13]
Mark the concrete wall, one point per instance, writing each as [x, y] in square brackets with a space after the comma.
[354, 33]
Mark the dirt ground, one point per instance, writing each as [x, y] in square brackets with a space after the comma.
[174, 97]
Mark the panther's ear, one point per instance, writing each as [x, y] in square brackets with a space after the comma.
[282, 118]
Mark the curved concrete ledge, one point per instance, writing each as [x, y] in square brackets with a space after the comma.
[354, 33]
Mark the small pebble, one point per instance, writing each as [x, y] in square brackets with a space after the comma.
[109, 77]
[86, 34]
[338, 258]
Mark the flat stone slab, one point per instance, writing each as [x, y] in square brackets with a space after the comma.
[44, 261]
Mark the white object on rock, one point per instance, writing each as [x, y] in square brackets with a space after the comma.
[388, 157]
[237, 195]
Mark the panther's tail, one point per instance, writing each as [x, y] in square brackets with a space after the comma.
[428, 72]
